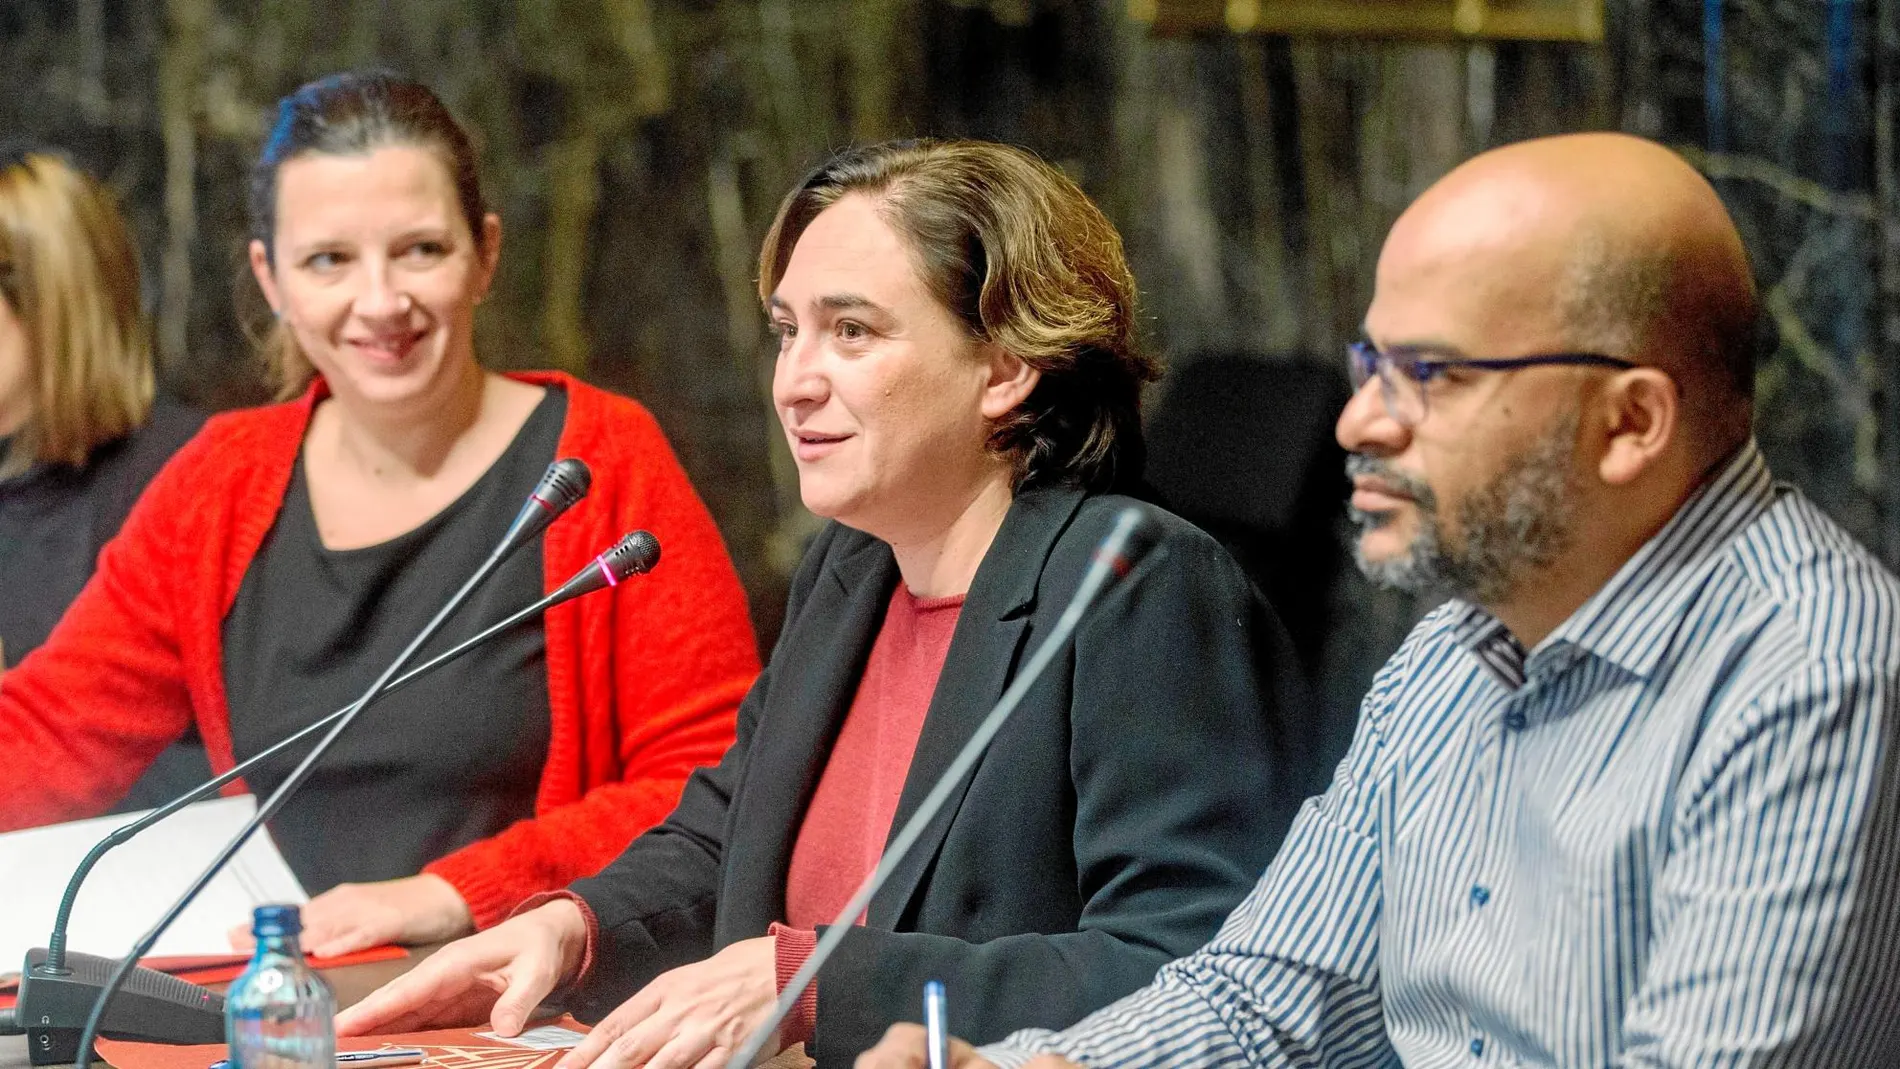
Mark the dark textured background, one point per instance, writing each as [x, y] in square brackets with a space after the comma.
[636, 150]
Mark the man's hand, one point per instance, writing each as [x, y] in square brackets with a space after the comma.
[356, 916]
[695, 1015]
[503, 973]
[904, 1046]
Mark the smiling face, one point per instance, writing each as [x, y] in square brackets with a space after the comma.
[376, 273]
[885, 398]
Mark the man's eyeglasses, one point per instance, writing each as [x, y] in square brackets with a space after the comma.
[1402, 375]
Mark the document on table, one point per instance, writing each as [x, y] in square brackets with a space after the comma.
[134, 883]
[546, 1037]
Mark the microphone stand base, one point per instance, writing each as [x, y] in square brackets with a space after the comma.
[53, 1046]
[153, 1007]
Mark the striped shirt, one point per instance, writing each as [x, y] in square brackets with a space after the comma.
[1669, 835]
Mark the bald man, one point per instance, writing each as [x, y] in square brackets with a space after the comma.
[1629, 797]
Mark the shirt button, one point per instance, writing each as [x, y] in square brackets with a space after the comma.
[1477, 1048]
[1480, 894]
[1514, 721]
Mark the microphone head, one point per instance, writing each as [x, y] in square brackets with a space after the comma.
[635, 554]
[566, 482]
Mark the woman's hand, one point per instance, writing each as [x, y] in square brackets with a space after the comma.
[503, 973]
[695, 1015]
[356, 916]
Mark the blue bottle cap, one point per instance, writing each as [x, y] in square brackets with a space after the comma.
[276, 920]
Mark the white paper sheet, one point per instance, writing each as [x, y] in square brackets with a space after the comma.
[135, 882]
[546, 1037]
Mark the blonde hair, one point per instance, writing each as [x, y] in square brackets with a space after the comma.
[68, 270]
[1020, 254]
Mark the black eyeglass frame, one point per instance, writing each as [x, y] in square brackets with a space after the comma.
[1365, 360]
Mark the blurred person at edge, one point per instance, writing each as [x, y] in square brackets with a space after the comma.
[959, 379]
[1629, 798]
[82, 427]
[287, 553]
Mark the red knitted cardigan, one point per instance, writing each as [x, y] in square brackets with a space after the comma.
[644, 681]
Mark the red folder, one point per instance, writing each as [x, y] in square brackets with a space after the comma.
[453, 1048]
[447, 1048]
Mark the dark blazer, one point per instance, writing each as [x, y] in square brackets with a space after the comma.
[1137, 793]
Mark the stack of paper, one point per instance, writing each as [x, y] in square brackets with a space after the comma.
[134, 884]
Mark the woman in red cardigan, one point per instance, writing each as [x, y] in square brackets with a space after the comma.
[287, 553]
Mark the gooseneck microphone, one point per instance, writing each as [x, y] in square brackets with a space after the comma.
[634, 554]
[566, 482]
[64, 992]
[1114, 558]
[56, 987]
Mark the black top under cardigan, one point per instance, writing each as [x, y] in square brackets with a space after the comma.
[1133, 799]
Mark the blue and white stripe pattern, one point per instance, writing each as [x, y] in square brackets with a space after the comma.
[1667, 836]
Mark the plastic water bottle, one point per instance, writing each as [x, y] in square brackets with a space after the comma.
[280, 1014]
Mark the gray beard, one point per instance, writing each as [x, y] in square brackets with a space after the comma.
[1517, 524]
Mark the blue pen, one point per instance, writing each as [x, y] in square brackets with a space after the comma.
[936, 1027]
[362, 1059]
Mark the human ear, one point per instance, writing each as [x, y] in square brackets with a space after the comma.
[1011, 380]
[266, 278]
[490, 251]
[1642, 411]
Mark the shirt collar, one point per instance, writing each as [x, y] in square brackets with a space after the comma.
[1487, 639]
[1628, 621]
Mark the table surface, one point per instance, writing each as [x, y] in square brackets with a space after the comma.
[351, 983]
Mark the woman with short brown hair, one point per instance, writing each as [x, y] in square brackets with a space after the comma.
[958, 380]
[1050, 285]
